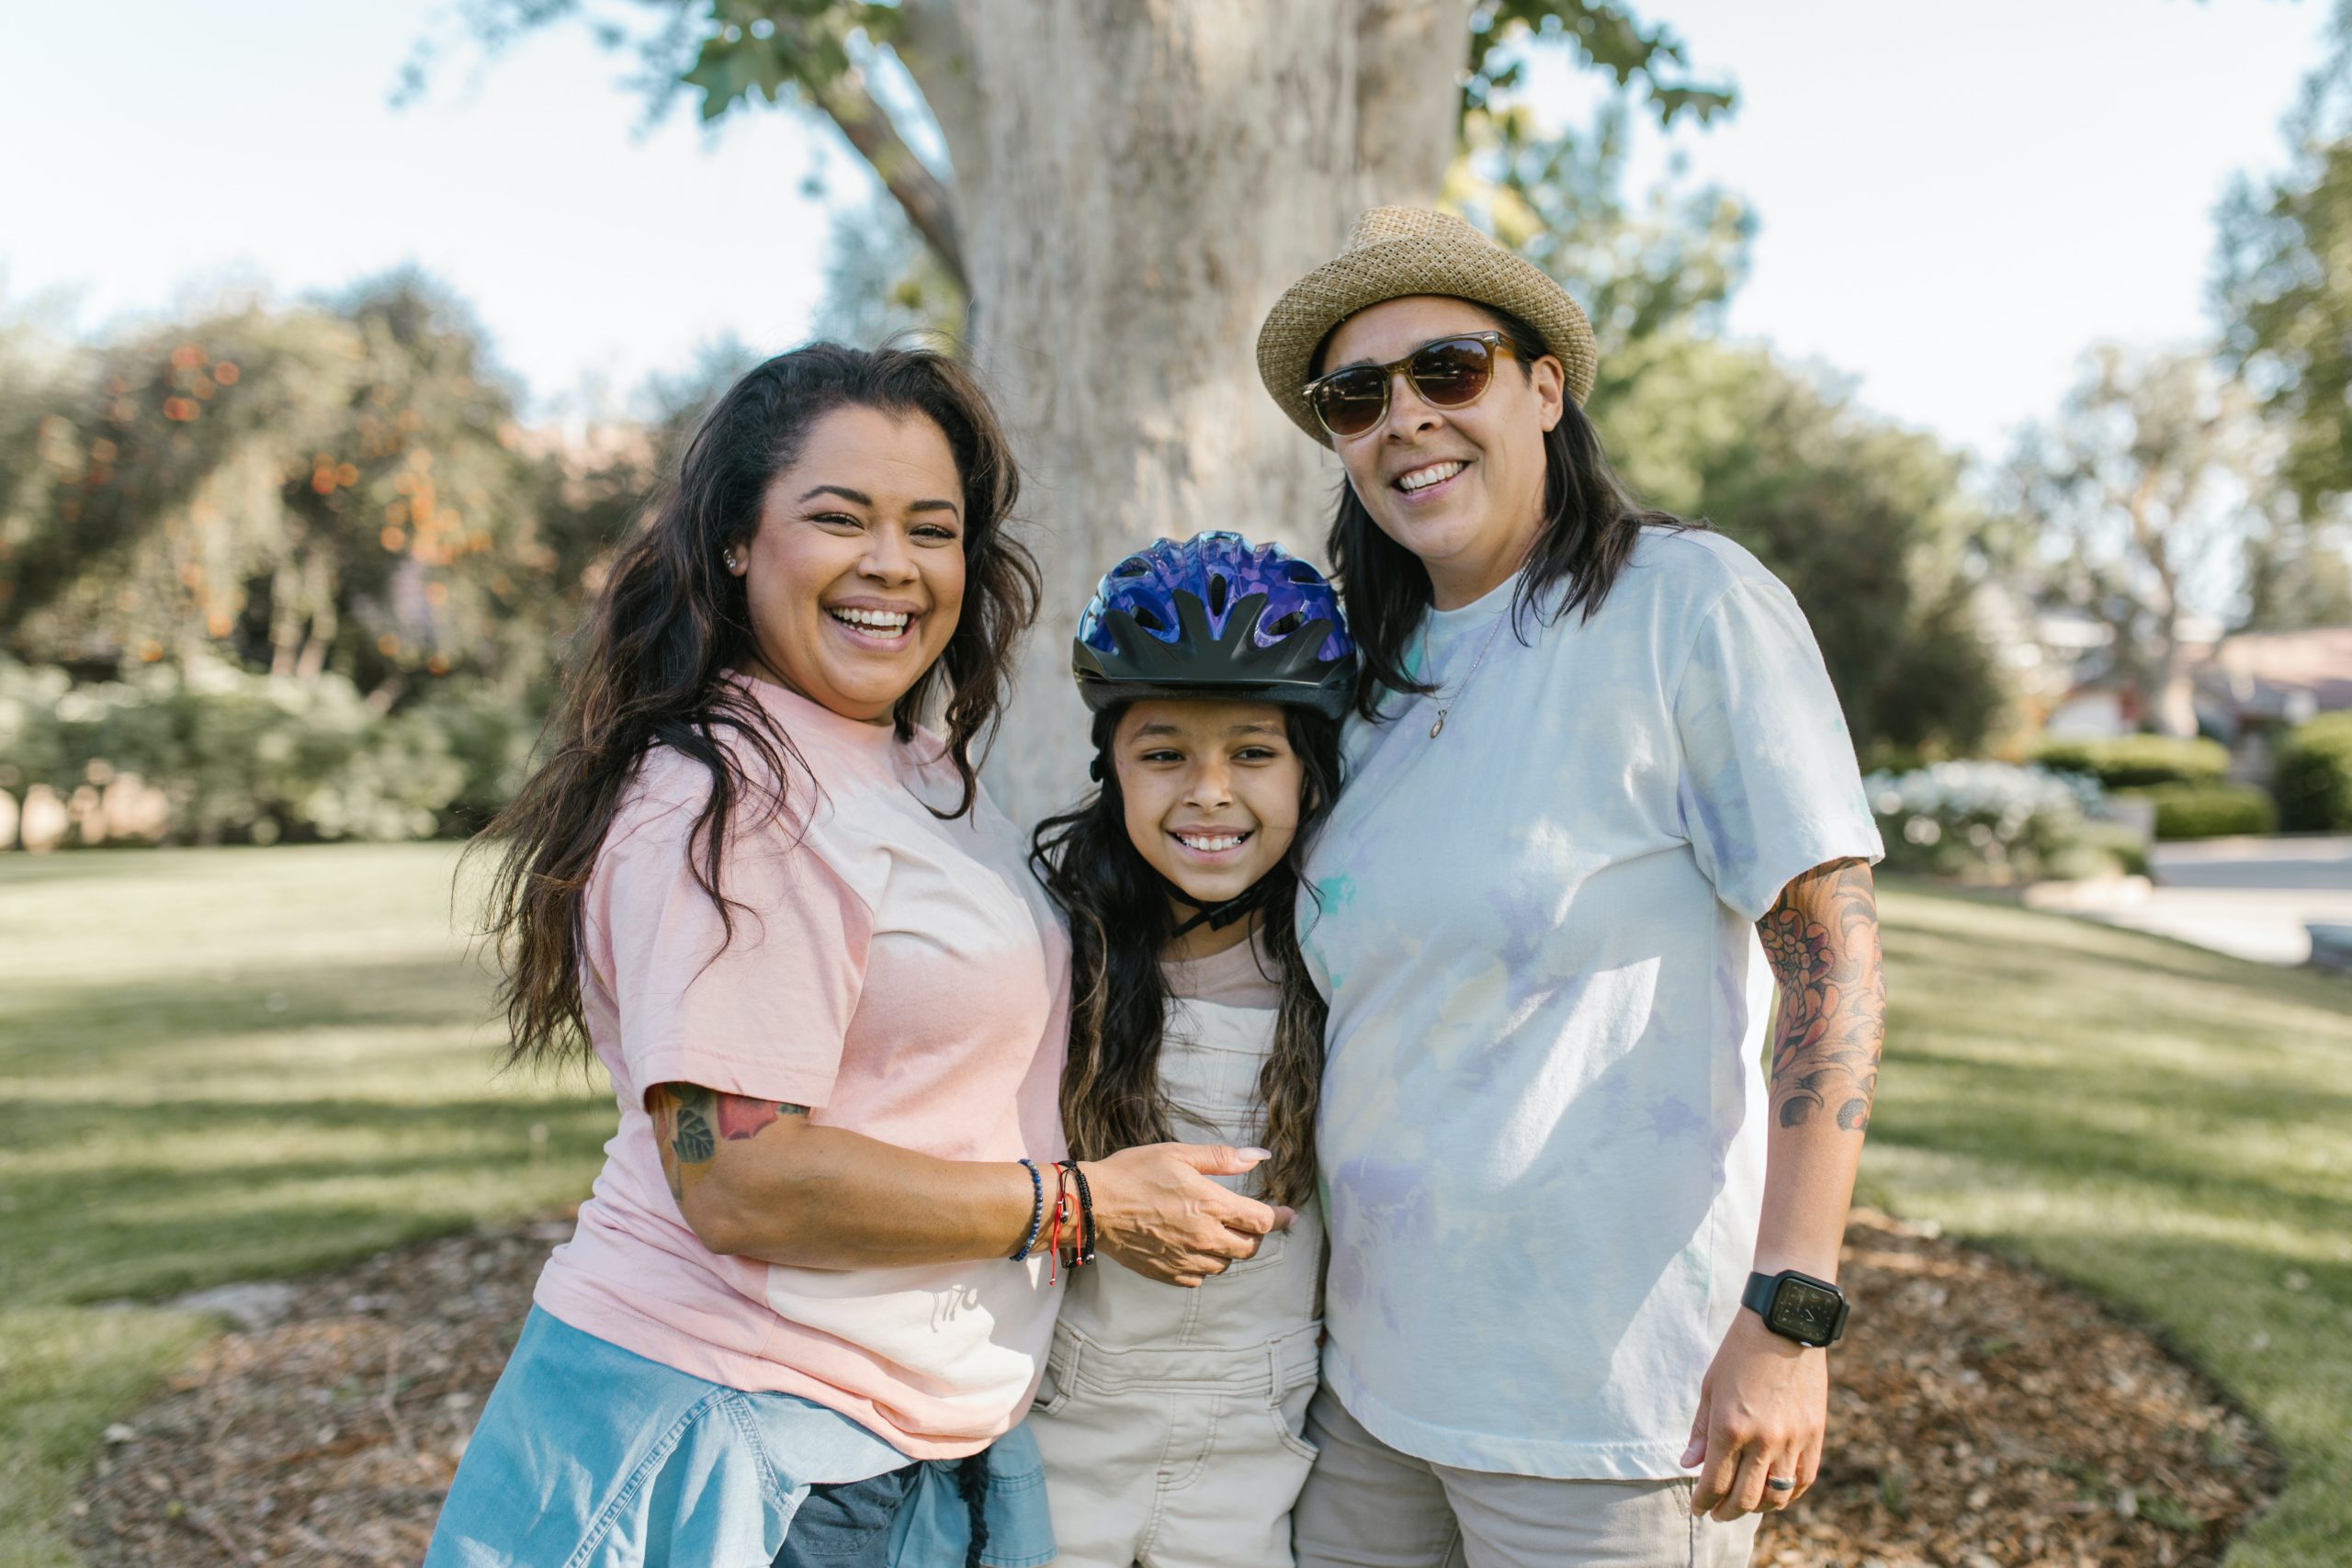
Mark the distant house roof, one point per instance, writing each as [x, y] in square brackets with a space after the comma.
[2289, 675]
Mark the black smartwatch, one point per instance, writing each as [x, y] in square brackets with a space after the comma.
[1797, 1307]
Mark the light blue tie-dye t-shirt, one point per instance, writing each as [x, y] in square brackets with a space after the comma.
[1543, 1117]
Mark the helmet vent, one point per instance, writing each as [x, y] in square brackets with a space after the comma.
[1148, 621]
[1285, 624]
[1220, 591]
[1302, 571]
[1134, 566]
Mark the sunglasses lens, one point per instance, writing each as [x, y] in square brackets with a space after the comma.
[1351, 401]
[1452, 373]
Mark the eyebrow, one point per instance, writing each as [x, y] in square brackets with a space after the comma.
[861, 499]
[1247, 727]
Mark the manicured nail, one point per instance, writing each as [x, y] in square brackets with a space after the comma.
[1257, 1154]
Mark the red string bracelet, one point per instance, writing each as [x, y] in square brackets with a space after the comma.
[1053, 1227]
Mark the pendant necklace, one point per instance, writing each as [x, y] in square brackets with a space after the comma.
[1484, 649]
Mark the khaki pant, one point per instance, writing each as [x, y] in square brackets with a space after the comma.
[1368, 1506]
[1180, 1458]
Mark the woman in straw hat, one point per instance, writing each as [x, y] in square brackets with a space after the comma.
[1583, 1254]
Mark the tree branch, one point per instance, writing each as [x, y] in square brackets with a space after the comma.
[930, 205]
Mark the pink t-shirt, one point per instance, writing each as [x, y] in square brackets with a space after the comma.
[902, 975]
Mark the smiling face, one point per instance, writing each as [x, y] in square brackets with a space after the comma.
[1463, 489]
[1212, 794]
[855, 578]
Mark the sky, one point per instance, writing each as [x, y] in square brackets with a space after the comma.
[1956, 196]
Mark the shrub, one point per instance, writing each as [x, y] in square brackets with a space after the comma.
[2136, 761]
[492, 735]
[1984, 820]
[238, 757]
[2315, 778]
[2210, 811]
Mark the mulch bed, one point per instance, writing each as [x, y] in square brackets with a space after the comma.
[1981, 1415]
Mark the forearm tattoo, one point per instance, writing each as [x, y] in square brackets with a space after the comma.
[1821, 942]
[689, 1122]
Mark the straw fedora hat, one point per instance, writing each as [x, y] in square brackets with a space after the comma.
[1396, 251]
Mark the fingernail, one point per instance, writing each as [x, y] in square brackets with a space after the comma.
[1692, 1454]
[1255, 1154]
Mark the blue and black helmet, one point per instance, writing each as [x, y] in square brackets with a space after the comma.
[1214, 616]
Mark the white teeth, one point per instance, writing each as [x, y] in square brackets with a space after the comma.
[892, 620]
[1224, 842]
[1436, 473]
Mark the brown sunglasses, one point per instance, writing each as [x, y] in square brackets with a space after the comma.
[1448, 374]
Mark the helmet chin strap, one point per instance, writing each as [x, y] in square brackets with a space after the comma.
[1219, 916]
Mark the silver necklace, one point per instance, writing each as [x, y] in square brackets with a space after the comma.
[1484, 648]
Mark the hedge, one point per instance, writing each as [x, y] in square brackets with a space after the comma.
[2315, 778]
[2210, 811]
[2137, 761]
[238, 758]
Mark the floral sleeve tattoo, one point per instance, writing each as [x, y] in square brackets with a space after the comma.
[1821, 942]
[690, 1122]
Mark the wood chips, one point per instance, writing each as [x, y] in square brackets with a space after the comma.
[1981, 1415]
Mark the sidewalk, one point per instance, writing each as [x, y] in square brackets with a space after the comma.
[2250, 897]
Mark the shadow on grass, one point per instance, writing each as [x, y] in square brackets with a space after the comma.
[258, 996]
[222, 1187]
[56, 1124]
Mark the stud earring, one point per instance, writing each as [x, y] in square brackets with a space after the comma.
[734, 561]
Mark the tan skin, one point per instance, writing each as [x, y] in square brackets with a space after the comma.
[1194, 775]
[868, 526]
[1764, 1404]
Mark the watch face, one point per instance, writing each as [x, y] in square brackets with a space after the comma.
[1806, 1310]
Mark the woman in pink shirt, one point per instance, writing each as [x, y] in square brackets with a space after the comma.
[816, 1283]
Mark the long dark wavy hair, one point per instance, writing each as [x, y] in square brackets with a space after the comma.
[671, 624]
[1120, 922]
[1591, 521]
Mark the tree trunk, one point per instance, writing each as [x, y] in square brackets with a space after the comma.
[1135, 184]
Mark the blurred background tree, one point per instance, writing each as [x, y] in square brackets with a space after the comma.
[2284, 289]
[2154, 474]
[328, 487]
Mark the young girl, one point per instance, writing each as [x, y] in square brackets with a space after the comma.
[1172, 1419]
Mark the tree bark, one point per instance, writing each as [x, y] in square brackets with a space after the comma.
[1135, 184]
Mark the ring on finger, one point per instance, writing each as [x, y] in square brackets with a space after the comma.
[1778, 1490]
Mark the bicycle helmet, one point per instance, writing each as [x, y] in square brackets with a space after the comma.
[1214, 616]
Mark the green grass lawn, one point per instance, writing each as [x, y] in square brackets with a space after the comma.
[218, 1065]
[222, 1065]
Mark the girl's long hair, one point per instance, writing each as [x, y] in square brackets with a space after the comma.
[670, 623]
[1591, 522]
[1120, 922]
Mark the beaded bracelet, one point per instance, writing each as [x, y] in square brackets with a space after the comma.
[1036, 1213]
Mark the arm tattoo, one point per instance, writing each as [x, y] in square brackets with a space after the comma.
[1821, 942]
[689, 1122]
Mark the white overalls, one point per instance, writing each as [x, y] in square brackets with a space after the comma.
[1172, 1419]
